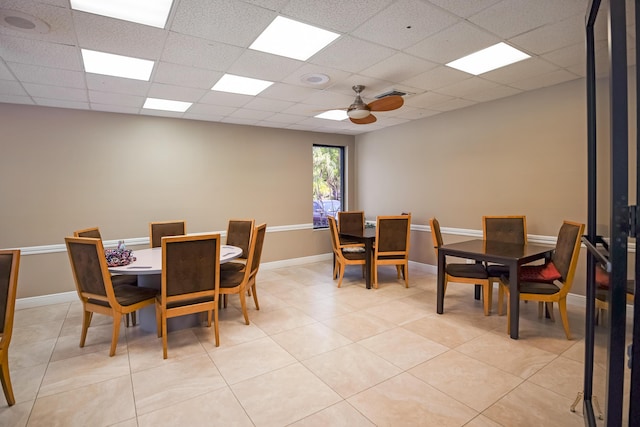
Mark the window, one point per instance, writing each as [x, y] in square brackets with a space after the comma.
[328, 183]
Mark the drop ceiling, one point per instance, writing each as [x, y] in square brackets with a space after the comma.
[383, 44]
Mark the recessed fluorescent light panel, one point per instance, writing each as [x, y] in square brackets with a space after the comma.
[293, 39]
[116, 65]
[146, 12]
[333, 115]
[166, 105]
[242, 85]
[488, 59]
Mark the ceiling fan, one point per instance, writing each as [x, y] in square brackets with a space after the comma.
[360, 113]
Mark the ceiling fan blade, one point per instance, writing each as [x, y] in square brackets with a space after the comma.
[369, 119]
[387, 103]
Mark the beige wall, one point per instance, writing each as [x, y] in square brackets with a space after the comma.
[525, 154]
[62, 170]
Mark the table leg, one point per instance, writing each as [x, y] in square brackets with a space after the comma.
[477, 291]
[440, 287]
[514, 299]
[368, 250]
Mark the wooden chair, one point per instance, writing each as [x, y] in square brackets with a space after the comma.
[116, 279]
[160, 229]
[239, 234]
[342, 257]
[238, 282]
[393, 238]
[565, 260]
[503, 228]
[9, 266]
[190, 281]
[472, 274]
[96, 291]
[602, 292]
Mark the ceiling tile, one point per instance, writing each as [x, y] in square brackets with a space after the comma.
[464, 8]
[459, 40]
[398, 67]
[14, 99]
[102, 83]
[195, 52]
[272, 67]
[5, 73]
[544, 80]
[176, 93]
[59, 103]
[218, 21]
[519, 71]
[116, 99]
[438, 77]
[512, 17]
[334, 15]
[551, 37]
[35, 74]
[12, 87]
[15, 49]
[466, 87]
[405, 23]
[182, 75]
[427, 100]
[351, 54]
[120, 37]
[55, 92]
[57, 18]
[271, 105]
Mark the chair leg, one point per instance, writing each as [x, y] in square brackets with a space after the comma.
[501, 299]
[549, 306]
[405, 274]
[562, 307]
[6, 379]
[164, 335]
[243, 304]
[398, 271]
[255, 296]
[486, 297]
[117, 319]
[342, 267]
[158, 319]
[375, 276]
[215, 324]
[86, 321]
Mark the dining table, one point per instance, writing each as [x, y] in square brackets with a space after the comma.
[368, 237]
[148, 267]
[512, 255]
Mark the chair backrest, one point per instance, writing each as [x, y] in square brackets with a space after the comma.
[436, 235]
[9, 266]
[393, 235]
[190, 267]
[90, 270]
[255, 251]
[88, 232]
[351, 221]
[565, 256]
[158, 230]
[335, 240]
[239, 234]
[505, 228]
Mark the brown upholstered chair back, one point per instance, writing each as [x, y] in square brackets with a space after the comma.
[239, 234]
[392, 233]
[257, 243]
[436, 235]
[93, 232]
[333, 232]
[9, 265]
[90, 271]
[567, 248]
[158, 230]
[509, 228]
[349, 221]
[190, 264]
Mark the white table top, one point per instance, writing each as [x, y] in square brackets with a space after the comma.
[149, 261]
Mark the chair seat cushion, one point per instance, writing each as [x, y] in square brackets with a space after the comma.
[129, 295]
[353, 249]
[231, 279]
[353, 256]
[192, 301]
[540, 288]
[232, 266]
[124, 279]
[497, 270]
[476, 271]
[540, 273]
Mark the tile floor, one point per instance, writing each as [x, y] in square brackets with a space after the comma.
[314, 355]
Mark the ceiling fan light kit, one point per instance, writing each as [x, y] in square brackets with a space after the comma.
[360, 113]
